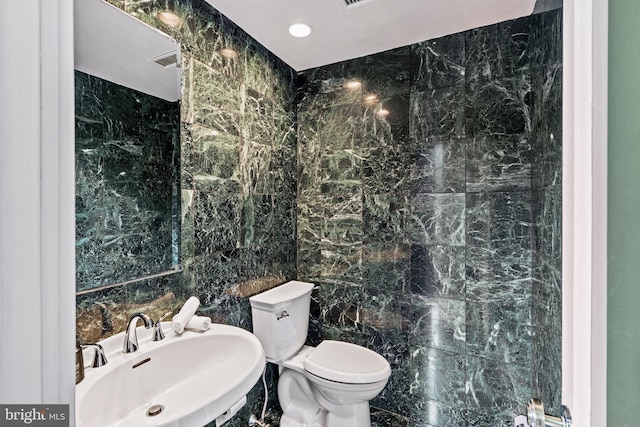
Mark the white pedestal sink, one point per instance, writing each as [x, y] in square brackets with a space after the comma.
[189, 379]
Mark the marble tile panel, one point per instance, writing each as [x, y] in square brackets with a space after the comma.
[341, 263]
[264, 120]
[386, 218]
[186, 86]
[500, 330]
[186, 157]
[207, 31]
[438, 323]
[386, 121]
[325, 87]
[342, 219]
[439, 377]
[502, 106]
[498, 163]
[282, 246]
[124, 200]
[546, 347]
[500, 221]
[216, 221]
[309, 222]
[546, 169]
[498, 51]
[394, 346]
[309, 153]
[386, 271]
[547, 121]
[187, 230]
[96, 314]
[216, 159]
[437, 114]
[502, 387]
[283, 171]
[214, 276]
[546, 38]
[104, 313]
[380, 313]
[384, 170]
[340, 309]
[117, 3]
[547, 221]
[438, 271]
[255, 164]
[384, 74]
[493, 277]
[439, 167]
[546, 88]
[256, 219]
[216, 100]
[255, 263]
[268, 74]
[257, 116]
[340, 127]
[285, 127]
[431, 413]
[438, 219]
[87, 97]
[439, 62]
[382, 418]
[342, 166]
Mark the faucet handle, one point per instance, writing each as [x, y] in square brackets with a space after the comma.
[99, 358]
[158, 333]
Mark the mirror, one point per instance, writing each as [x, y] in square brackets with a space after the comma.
[127, 147]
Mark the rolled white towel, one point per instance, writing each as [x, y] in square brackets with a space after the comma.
[187, 311]
[198, 323]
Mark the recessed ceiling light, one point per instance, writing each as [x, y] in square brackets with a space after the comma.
[228, 53]
[169, 18]
[383, 113]
[353, 84]
[299, 30]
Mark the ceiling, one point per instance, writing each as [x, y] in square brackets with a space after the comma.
[366, 27]
[115, 46]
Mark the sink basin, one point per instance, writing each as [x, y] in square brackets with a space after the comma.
[190, 379]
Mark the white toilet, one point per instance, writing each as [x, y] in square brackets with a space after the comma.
[326, 386]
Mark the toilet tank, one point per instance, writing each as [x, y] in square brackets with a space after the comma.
[280, 319]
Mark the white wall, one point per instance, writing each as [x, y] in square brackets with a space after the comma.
[37, 261]
[584, 211]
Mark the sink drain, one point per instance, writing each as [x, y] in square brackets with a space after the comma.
[154, 410]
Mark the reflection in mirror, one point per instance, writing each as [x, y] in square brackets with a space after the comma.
[127, 148]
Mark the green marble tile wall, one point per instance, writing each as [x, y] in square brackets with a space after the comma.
[237, 186]
[429, 213]
[126, 174]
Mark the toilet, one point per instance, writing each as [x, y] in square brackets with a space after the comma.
[325, 386]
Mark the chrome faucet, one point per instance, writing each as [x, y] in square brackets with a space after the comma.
[99, 359]
[158, 333]
[130, 336]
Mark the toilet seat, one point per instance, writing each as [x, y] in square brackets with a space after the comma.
[346, 363]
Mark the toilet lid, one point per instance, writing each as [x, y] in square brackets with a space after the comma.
[346, 363]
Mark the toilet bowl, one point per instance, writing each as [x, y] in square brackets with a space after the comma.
[325, 386]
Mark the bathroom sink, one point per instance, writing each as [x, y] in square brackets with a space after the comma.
[189, 379]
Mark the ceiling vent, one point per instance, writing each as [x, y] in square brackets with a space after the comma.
[166, 60]
[355, 4]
